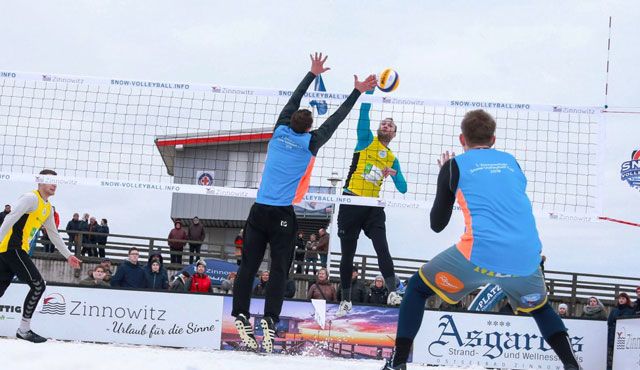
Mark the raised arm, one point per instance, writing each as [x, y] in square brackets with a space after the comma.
[398, 178]
[321, 135]
[445, 194]
[365, 136]
[317, 67]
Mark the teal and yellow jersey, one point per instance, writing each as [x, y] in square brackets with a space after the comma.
[370, 158]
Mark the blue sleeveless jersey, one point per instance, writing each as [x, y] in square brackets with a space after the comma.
[500, 230]
[287, 169]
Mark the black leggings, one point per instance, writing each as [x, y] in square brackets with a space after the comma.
[17, 262]
[351, 220]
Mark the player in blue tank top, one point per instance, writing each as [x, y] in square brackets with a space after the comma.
[500, 243]
[285, 180]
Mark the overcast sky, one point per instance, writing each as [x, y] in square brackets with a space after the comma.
[544, 52]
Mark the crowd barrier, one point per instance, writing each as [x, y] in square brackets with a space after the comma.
[204, 321]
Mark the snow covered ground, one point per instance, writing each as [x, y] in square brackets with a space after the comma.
[54, 355]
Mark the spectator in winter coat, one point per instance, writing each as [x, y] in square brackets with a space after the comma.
[130, 274]
[260, 290]
[358, 289]
[323, 246]
[181, 282]
[90, 246]
[156, 279]
[322, 288]
[378, 294]
[311, 257]
[238, 243]
[178, 237]
[46, 242]
[623, 308]
[84, 226]
[101, 240]
[594, 310]
[3, 214]
[96, 278]
[636, 307]
[563, 310]
[200, 281]
[106, 265]
[196, 236]
[162, 274]
[73, 225]
[227, 284]
[300, 252]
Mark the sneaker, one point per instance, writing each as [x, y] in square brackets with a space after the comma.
[387, 365]
[394, 299]
[268, 333]
[246, 332]
[344, 308]
[30, 336]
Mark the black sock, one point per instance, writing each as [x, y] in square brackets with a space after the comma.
[401, 355]
[561, 344]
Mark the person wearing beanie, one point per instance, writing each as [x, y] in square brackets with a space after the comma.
[181, 282]
[563, 310]
[200, 281]
[378, 293]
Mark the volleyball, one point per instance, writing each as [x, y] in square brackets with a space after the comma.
[388, 80]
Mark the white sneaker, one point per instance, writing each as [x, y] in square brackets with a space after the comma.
[344, 308]
[394, 299]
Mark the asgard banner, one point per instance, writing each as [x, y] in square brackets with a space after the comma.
[626, 344]
[503, 341]
[118, 316]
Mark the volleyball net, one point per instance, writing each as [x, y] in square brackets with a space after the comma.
[209, 139]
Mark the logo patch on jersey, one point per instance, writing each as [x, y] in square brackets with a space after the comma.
[283, 223]
[448, 282]
[531, 300]
[382, 154]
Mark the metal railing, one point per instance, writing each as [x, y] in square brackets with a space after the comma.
[570, 287]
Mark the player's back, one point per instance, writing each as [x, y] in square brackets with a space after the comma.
[286, 168]
[500, 230]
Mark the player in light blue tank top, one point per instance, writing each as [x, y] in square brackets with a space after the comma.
[500, 244]
[501, 235]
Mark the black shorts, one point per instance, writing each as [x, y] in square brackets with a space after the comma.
[352, 219]
[16, 262]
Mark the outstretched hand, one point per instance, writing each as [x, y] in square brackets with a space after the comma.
[368, 84]
[317, 63]
[444, 157]
[74, 262]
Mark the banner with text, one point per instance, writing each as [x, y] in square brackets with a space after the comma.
[503, 341]
[118, 316]
[626, 346]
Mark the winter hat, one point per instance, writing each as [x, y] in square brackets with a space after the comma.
[379, 277]
[563, 305]
[201, 262]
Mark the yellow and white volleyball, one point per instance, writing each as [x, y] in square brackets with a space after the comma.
[388, 80]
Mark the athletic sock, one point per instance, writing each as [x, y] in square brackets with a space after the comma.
[25, 325]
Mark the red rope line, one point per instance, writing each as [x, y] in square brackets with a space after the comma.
[619, 221]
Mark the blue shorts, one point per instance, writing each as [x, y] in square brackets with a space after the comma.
[452, 277]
